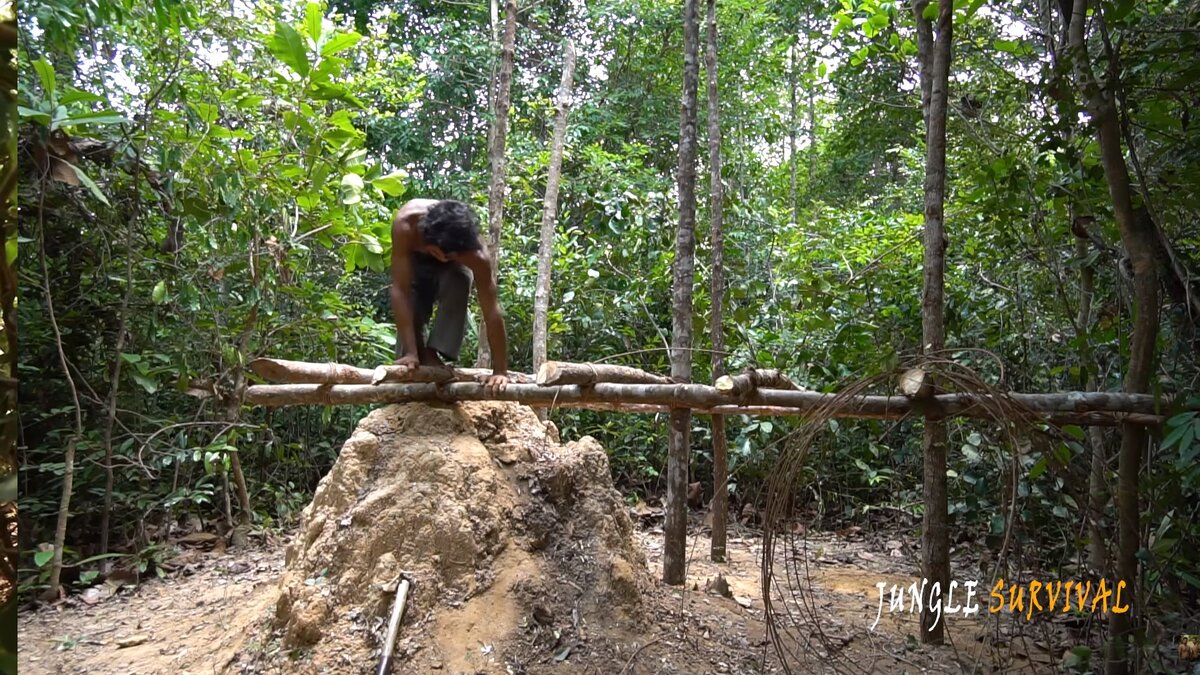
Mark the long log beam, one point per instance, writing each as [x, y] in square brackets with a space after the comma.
[1068, 407]
[562, 372]
[302, 372]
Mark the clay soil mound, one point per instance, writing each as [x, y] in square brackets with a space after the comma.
[519, 550]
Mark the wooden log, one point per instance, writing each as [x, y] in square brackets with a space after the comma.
[561, 372]
[1074, 407]
[393, 373]
[752, 379]
[302, 372]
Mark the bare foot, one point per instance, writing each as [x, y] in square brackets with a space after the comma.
[429, 357]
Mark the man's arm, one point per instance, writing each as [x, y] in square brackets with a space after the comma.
[480, 265]
[402, 286]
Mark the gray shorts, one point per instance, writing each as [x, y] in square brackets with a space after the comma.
[448, 285]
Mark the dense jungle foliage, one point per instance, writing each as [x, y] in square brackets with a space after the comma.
[203, 183]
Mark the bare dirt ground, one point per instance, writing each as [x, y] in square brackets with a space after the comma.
[213, 618]
[523, 559]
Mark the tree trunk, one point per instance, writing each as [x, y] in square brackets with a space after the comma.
[498, 137]
[1097, 475]
[232, 413]
[1066, 408]
[1139, 240]
[541, 297]
[792, 133]
[720, 500]
[114, 384]
[679, 448]
[935, 71]
[64, 504]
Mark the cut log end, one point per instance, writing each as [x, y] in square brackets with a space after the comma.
[915, 383]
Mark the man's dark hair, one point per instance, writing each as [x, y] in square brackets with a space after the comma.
[451, 226]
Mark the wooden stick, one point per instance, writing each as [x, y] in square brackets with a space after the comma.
[389, 644]
[562, 372]
[1078, 407]
[752, 379]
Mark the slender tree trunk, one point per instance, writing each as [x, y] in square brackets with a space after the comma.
[935, 71]
[114, 384]
[720, 500]
[1097, 483]
[792, 133]
[1139, 239]
[541, 297]
[679, 450]
[233, 412]
[64, 505]
[812, 137]
[496, 156]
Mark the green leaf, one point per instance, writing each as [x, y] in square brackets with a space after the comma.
[1074, 432]
[392, 184]
[148, 384]
[10, 250]
[312, 20]
[287, 46]
[88, 182]
[352, 185]
[340, 43]
[1175, 436]
[77, 96]
[102, 117]
[45, 73]
[160, 292]
[1038, 469]
[42, 557]
[931, 10]
[36, 116]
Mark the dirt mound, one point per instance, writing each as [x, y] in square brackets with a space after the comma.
[519, 549]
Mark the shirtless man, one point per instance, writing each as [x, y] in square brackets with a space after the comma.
[436, 254]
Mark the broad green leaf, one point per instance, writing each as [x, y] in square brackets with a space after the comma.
[77, 96]
[352, 185]
[287, 46]
[207, 112]
[102, 117]
[148, 384]
[45, 73]
[312, 20]
[89, 183]
[1074, 432]
[32, 115]
[931, 10]
[392, 184]
[42, 557]
[159, 293]
[340, 42]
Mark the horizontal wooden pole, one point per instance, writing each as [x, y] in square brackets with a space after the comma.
[303, 372]
[562, 372]
[1068, 407]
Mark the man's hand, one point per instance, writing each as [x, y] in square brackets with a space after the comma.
[409, 361]
[495, 383]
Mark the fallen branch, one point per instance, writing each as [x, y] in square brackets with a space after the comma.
[752, 379]
[560, 372]
[1069, 407]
